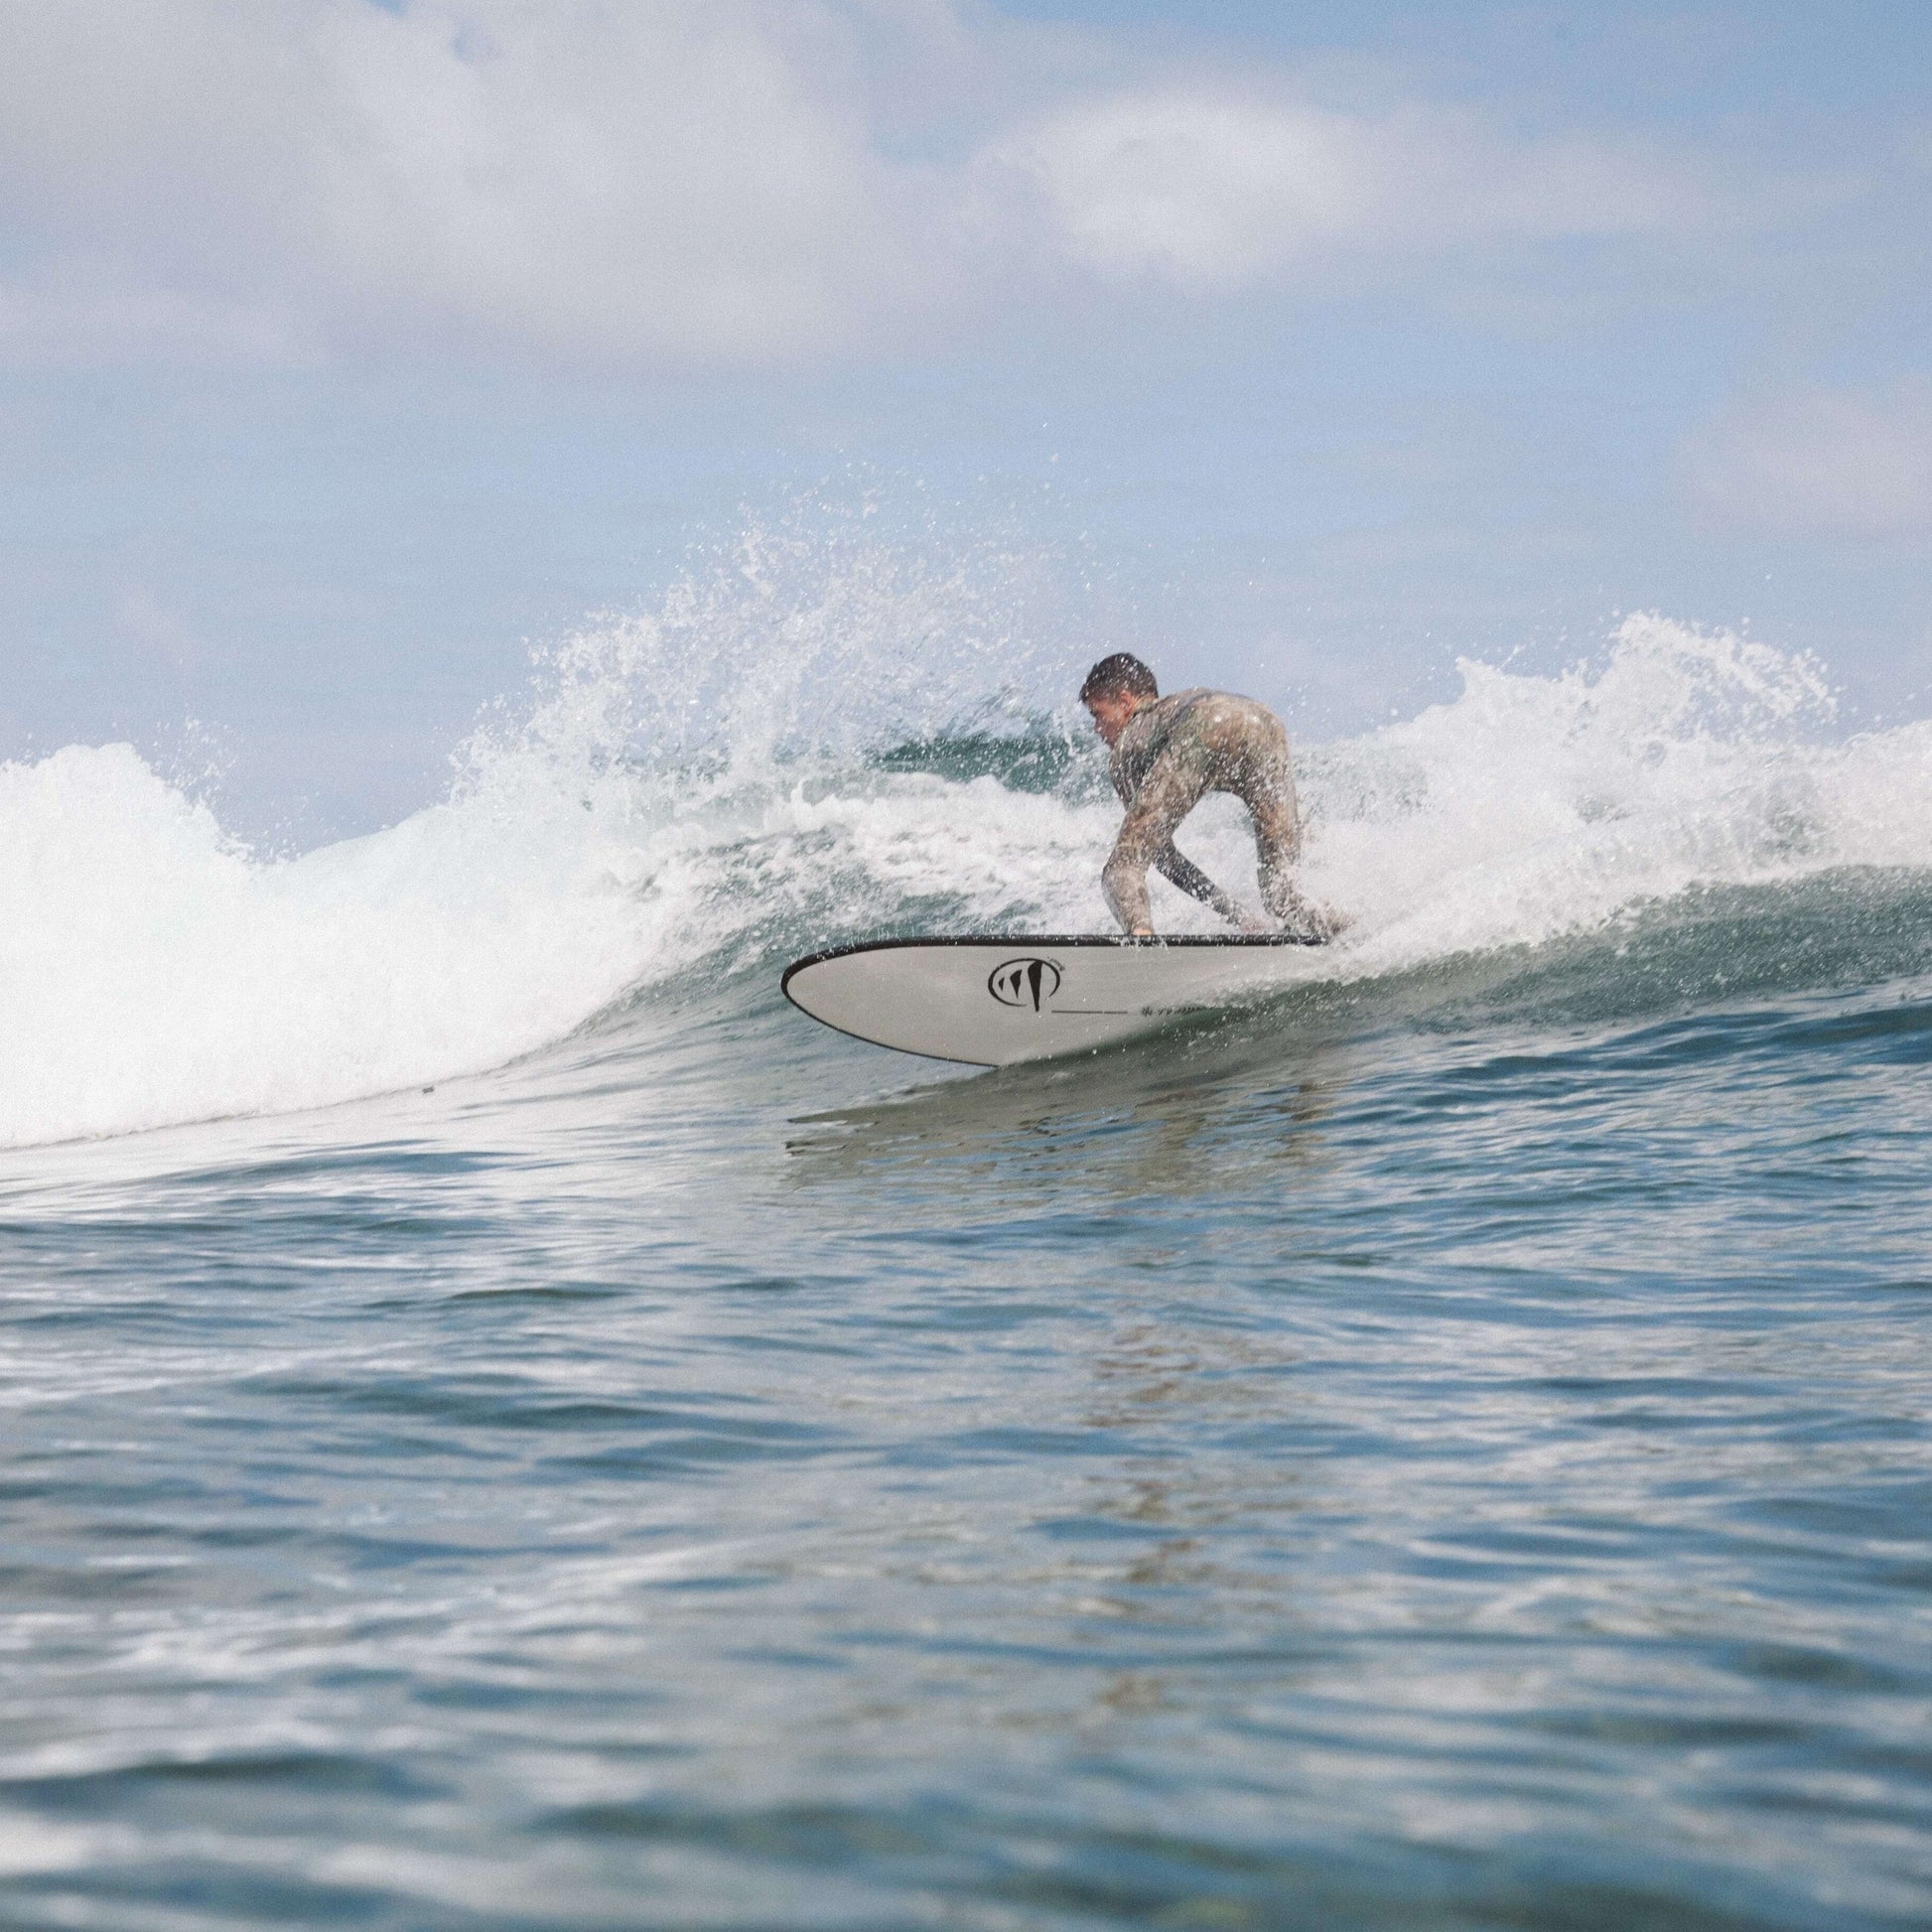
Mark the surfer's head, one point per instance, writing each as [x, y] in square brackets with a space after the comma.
[1114, 690]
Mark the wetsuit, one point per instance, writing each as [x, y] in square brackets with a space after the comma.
[1170, 754]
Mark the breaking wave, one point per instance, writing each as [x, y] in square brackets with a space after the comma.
[799, 750]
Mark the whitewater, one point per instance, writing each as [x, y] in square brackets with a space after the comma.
[504, 1424]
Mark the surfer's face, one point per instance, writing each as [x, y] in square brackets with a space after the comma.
[1110, 711]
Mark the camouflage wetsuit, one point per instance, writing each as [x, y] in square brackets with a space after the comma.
[1169, 755]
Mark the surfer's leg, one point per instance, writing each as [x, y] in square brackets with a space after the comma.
[1263, 781]
[1170, 792]
[1269, 794]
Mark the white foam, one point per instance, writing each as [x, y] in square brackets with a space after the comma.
[149, 972]
[153, 972]
[1532, 806]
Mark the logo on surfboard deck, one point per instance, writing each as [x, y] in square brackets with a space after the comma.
[1028, 983]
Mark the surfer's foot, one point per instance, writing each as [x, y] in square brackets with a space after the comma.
[1314, 926]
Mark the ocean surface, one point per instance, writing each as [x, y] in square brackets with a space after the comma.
[507, 1425]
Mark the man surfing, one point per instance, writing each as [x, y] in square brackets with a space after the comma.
[1167, 755]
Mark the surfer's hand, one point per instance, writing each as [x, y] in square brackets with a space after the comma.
[1141, 933]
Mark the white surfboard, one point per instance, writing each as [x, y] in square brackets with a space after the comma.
[993, 1001]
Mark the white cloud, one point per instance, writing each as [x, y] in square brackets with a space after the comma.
[1215, 190]
[1204, 191]
[1841, 463]
[663, 179]
[655, 178]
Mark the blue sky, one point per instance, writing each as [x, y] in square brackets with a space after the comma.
[351, 348]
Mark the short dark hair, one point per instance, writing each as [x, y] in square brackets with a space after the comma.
[1122, 673]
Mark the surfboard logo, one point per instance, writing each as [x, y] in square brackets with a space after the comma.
[1028, 983]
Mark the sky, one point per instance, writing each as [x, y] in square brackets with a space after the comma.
[349, 350]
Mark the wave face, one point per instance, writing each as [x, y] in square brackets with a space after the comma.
[799, 750]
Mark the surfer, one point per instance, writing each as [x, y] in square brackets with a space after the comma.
[1167, 755]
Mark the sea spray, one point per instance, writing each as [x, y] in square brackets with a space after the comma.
[808, 638]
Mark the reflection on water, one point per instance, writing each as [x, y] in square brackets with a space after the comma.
[1178, 1394]
[1213, 1111]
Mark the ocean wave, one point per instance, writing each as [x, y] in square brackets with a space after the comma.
[749, 774]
